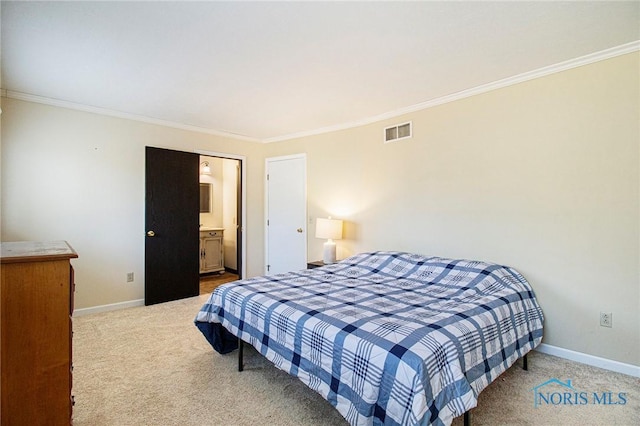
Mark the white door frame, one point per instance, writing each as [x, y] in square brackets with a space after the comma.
[243, 180]
[266, 203]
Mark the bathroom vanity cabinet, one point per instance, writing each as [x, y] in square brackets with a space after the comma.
[211, 250]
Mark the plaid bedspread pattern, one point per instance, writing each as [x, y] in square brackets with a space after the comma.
[387, 337]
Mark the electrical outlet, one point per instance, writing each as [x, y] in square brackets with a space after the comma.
[606, 319]
[130, 277]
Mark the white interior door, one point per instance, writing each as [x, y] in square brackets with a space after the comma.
[286, 210]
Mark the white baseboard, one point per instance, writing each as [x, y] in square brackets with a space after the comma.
[106, 308]
[607, 364]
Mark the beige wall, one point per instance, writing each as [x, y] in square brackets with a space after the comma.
[80, 177]
[230, 211]
[542, 176]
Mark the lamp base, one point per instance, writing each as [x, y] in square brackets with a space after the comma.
[329, 252]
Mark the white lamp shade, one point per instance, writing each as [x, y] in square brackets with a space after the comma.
[329, 228]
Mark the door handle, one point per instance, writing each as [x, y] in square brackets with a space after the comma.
[299, 230]
[151, 234]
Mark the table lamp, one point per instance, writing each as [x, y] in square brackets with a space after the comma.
[331, 229]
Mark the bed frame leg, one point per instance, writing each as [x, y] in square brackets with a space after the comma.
[525, 364]
[240, 348]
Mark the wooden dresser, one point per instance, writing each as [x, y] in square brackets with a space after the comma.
[36, 306]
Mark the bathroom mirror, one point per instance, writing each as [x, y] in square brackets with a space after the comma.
[205, 198]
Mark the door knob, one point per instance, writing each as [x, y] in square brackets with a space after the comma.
[299, 230]
[151, 234]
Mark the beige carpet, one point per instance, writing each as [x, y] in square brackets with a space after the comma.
[151, 366]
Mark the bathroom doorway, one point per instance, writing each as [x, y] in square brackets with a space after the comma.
[221, 236]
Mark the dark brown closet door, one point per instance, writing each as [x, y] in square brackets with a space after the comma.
[172, 243]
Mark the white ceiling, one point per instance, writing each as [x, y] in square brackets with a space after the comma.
[270, 70]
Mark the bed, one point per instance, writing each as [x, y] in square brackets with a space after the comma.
[386, 337]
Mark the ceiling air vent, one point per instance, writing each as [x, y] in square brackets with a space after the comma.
[397, 132]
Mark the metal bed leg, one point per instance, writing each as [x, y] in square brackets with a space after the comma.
[240, 348]
[525, 364]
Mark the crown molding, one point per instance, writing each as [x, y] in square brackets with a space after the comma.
[623, 49]
[119, 114]
[634, 46]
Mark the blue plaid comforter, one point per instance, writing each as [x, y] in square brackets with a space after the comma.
[386, 337]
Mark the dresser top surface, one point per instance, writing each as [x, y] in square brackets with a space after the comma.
[36, 251]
